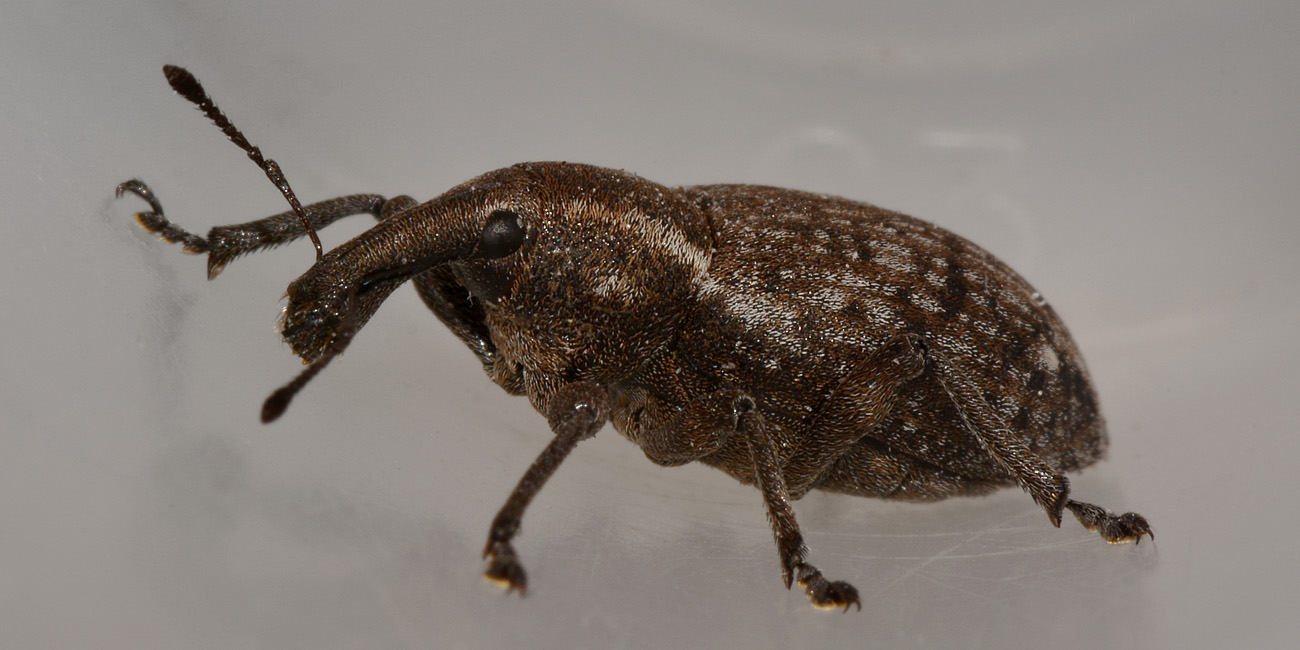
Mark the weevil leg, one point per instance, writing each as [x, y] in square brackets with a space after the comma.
[863, 399]
[701, 429]
[225, 243]
[692, 433]
[453, 304]
[1113, 528]
[155, 222]
[1049, 489]
[575, 413]
[229, 242]
[823, 593]
[399, 203]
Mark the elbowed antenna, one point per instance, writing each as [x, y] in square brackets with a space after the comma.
[188, 86]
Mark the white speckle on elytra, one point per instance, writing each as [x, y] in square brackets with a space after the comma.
[614, 285]
[1048, 358]
[894, 257]
[830, 298]
[927, 302]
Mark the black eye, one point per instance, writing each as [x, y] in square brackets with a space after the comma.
[502, 235]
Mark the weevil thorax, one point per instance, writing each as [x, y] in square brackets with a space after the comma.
[608, 262]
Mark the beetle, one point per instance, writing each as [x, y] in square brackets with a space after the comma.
[795, 341]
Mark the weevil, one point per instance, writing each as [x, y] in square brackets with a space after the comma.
[795, 341]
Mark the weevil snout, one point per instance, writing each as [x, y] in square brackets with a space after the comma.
[326, 308]
[308, 331]
[326, 302]
[314, 314]
[339, 294]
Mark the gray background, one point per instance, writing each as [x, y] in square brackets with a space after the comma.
[1136, 161]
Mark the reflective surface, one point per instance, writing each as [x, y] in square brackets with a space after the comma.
[1137, 164]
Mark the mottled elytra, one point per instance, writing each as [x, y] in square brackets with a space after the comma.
[795, 341]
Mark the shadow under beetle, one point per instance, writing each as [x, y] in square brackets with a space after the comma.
[794, 341]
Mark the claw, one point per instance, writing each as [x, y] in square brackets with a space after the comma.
[825, 594]
[505, 570]
[1129, 526]
[1116, 529]
[829, 595]
[156, 222]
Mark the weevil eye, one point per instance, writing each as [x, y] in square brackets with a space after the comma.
[503, 234]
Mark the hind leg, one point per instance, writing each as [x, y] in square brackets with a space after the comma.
[1113, 528]
[1049, 488]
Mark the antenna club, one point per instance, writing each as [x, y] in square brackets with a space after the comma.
[277, 404]
[185, 83]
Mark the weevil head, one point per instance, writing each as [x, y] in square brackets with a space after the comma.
[574, 270]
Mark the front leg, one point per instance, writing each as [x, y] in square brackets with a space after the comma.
[575, 413]
[225, 243]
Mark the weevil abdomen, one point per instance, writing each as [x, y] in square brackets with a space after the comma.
[801, 285]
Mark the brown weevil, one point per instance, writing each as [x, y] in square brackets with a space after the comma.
[795, 341]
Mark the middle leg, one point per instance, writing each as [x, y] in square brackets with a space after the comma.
[863, 399]
[823, 593]
[704, 428]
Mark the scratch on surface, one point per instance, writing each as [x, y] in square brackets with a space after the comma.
[964, 539]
